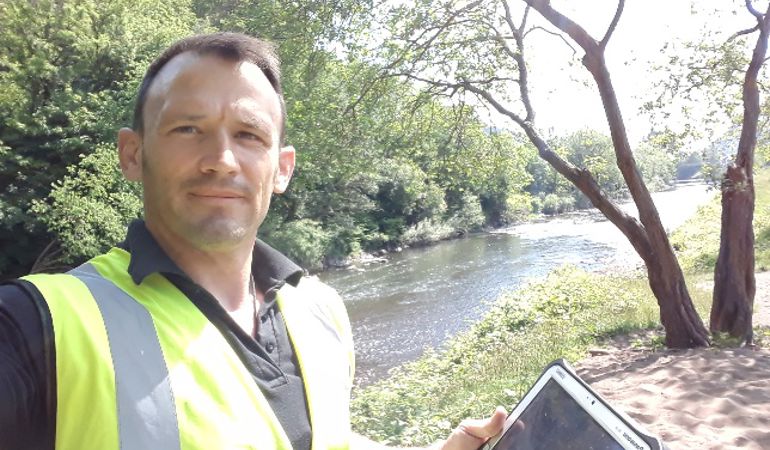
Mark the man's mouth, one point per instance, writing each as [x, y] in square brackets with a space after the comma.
[217, 194]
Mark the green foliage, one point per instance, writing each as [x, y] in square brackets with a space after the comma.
[468, 215]
[304, 241]
[67, 75]
[518, 207]
[589, 149]
[594, 151]
[696, 242]
[496, 361]
[554, 204]
[762, 219]
[426, 232]
[405, 191]
[381, 162]
[89, 209]
[657, 162]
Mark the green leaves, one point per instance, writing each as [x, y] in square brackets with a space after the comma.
[89, 209]
[68, 72]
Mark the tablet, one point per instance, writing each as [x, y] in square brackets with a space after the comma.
[560, 411]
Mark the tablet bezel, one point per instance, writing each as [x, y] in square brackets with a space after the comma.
[607, 419]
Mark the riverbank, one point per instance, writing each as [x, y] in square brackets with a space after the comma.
[430, 234]
[570, 314]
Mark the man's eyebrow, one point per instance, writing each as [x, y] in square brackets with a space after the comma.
[168, 119]
[190, 117]
[256, 122]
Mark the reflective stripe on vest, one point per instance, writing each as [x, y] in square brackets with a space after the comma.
[139, 366]
[145, 403]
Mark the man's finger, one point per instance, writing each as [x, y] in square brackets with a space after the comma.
[484, 428]
[472, 433]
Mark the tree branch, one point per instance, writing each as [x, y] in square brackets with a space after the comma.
[483, 81]
[565, 24]
[402, 57]
[521, 65]
[580, 177]
[613, 25]
[594, 62]
[753, 11]
[523, 24]
[751, 109]
[743, 32]
[558, 35]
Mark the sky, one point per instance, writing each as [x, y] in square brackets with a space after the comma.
[565, 98]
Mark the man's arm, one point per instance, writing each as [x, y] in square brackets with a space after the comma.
[25, 421]
[469, 435]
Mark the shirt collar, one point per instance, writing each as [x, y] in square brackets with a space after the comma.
[269, 267]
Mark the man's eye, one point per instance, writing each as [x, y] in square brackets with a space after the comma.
[247, 135]
[187, 129]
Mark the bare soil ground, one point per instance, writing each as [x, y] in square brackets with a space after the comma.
[715, 398]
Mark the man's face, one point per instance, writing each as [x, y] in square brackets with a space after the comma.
[209, 157]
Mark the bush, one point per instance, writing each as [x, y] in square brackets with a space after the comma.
[468, 216]
[89, 209]
[426, 232]
[518, 207]
[551, 204]
[405, 191]
[304, 241]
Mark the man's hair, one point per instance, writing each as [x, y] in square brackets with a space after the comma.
[235, 47]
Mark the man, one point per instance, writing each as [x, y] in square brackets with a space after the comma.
[191, 333]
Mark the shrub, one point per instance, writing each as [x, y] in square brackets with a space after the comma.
[89, 209]
[518, 207]
[551, 204]
[426, 232]
[304, 241]
[468, 216]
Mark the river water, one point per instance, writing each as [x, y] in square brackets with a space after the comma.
[422, 296]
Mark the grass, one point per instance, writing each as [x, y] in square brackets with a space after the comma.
[561, 316]
[497, 360]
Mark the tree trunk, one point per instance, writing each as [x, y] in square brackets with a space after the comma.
[684, 327]
[734, 284]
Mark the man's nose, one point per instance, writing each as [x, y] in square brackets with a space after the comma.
[220, 155]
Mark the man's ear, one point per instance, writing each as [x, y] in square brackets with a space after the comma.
[286, 157]
[130, 154]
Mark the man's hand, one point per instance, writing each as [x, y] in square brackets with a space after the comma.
[469, 435]
[473, 433]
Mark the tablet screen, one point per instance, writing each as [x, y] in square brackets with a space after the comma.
[554, 420]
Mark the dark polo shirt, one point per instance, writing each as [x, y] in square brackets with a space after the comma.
[27, 351]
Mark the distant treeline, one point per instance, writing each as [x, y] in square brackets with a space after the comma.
[381, 163]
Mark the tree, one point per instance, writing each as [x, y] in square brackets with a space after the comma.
[478, 49]
[717, 73]
[734, 284]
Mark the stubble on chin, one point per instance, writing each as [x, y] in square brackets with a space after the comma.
[217, 233]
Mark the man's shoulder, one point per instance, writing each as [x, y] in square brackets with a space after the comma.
[22, 307]
[17, 295]
[312, 284]
[27, 358]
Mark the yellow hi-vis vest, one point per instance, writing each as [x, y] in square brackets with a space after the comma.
[139, 367]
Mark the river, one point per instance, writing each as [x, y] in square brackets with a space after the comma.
[422, 296]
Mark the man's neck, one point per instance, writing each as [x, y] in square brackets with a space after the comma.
[225, 273]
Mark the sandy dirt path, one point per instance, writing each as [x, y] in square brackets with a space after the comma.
[694, 399]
